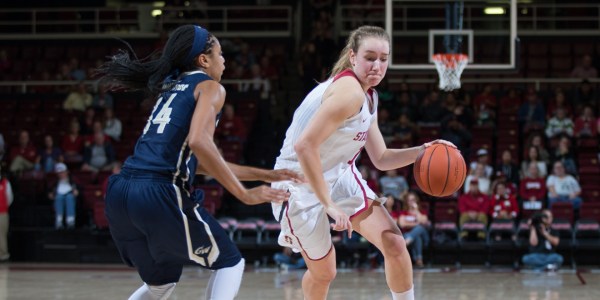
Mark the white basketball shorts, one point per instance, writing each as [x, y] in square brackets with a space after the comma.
[304, 223]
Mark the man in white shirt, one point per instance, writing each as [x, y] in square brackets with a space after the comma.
[563, 187]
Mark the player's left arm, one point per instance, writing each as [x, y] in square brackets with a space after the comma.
[245, 173]
[388, 159]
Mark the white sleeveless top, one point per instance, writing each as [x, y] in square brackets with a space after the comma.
[340, 150]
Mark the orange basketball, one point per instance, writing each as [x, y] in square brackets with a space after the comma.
[440, 170]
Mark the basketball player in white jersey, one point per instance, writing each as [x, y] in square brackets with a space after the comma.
[329, 129]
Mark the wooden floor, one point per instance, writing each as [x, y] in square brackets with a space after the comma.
[87, 282]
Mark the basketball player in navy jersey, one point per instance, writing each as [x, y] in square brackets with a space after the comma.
[157, 224]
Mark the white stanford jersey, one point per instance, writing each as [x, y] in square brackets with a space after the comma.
[340, 150]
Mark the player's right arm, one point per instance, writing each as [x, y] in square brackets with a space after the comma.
[341, 101]
[210, 97]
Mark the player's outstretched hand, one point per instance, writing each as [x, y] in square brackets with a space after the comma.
[284, 175]
[265, 194]
[342, 221]
[439, 141]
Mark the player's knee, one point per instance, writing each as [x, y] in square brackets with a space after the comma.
[325, 275]
[393, 245]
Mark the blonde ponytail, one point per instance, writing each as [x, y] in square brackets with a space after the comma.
[343, 62]
[353, 43]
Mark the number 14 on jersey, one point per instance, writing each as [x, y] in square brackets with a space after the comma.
[163, 117]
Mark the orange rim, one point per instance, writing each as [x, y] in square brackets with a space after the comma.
[449, 59]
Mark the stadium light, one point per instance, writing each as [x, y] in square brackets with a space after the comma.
[156, 12]
[494, 11]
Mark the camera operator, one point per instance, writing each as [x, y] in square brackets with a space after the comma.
[542, 243]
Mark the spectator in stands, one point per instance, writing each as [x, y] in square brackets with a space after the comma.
[259, 84]
[309, 67]
[503, 204]
[64, 73]
[5, 62]
[87, 121]
[563, 187]
[473, 206]
[393, 184]
[586, 124]
[508, 167]
[585, 69]
[414, 223]
[2, 147]
[77, 72]
[412, 97]
[386, 125]
[43, 89]
[115, 170]
[432, 109]
[405, 106]
[22, 157]
[387, 97]
[585, 95]
[536, 139]
[231, 127]
[72, 144]
[112, 125]
[245, 57]
[511, 102]
[478, 176]
[367, 175]
[559, 101]
[533, 156]
[485, 106]
[510, 187]
[267, 67]
[454, 131]
[49, 155]
[532, 189]
[288, 260]
[97, 128]
[99, 156]
[79, 98]
[482, 159]
[103, 99]
[564, 154]
[531, 114]
[542, 243]
[560, 124]
[6, 199]
[64, 194]
[405, 131]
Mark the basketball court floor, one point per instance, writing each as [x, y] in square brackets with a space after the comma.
[88, 282]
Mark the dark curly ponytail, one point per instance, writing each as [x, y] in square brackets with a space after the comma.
[184, 44]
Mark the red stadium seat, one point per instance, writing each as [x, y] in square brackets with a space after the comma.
[563, 211]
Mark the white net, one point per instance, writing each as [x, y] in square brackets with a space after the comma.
[449, 67]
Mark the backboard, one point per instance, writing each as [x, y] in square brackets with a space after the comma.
[486, 31]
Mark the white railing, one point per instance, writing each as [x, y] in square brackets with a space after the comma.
[532, 19]
[23, 86]
[137, 21]
[535, 82]
[238, 83]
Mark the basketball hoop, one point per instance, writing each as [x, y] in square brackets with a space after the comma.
[449, 67]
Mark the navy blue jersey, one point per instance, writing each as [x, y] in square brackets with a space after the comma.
[163, 147]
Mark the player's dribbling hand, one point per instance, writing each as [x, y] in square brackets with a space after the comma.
[284, 175]
[439, 141]
[265, 194]
[342, 221]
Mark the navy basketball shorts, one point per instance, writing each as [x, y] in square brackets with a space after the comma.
[158, 228]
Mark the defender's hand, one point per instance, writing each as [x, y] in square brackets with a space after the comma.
[284, 175]
[265, 194]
